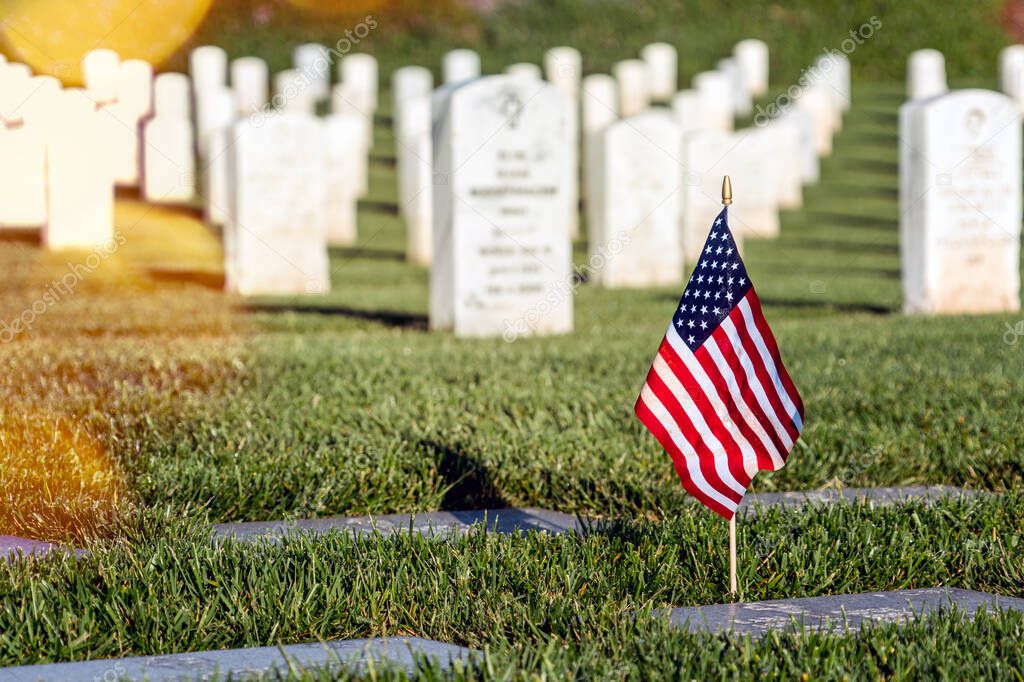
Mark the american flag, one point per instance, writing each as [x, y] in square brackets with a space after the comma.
[717, 397]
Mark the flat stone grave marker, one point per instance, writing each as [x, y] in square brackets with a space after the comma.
[442, 523]
[11, 547]
[754, 502]
[502, 261]
[836, 613]
[353, 654]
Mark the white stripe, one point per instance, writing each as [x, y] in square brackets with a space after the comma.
[720, 456]
[690, 455]
[719, 406]
[754, 382]
[749, 415]
[769, 364]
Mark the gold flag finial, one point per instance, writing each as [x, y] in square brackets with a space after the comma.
[726, 191]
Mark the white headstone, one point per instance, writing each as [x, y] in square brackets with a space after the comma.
[34, 112]
[716, 96]
[662, 64]
[168, 171]
[100, 74]
[501, 146]
[1011, 73]
[344, 102]
[208, 67]
[752, 57]
[784, 137]
[633, 78]
[313, 61]
[276, 236]
[134, 102]
[171, 96]
[820, 105]
[563, 68]
[460, 65]
[343, 133]
[292, 93]
[600, 110]
[250, 82]
[807, 154]
[687, 110]
[359, 74]
[222, 113]
[639, 187]
[960, 195]
[704, 158]
[834, 71]
[80, 178]
[416, 177]
[742, 104]
[408, 82]
[524, 70]
[926, 74]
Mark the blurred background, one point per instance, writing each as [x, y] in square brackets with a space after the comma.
[52, 35]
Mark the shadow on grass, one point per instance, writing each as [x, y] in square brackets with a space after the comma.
[210, 280]
[847, 307]
[391, 318]
[385, 207]
[837, 245]
[24, 235]
[851, 220]
[469, 483]
[366, 252]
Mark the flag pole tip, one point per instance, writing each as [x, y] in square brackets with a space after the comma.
[726, 191]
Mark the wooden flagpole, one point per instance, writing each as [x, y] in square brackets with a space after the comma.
[726, 200]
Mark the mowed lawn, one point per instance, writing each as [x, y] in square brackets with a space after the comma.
[147, 403]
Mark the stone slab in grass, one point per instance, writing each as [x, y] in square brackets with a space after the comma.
[247, 663]
[504, 521]
[838, 612]
[12, 547]
[880, 496]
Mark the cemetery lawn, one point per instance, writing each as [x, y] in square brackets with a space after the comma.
[146, 403]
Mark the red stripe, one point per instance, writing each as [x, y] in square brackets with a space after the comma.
[707, 410]
[705, 456]
[739, 375]
[773, 350]
[767, 383]
[721, 384]
[648, 419]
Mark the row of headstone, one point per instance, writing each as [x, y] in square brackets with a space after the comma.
[281, 198]
[61, 163]
[488, 180]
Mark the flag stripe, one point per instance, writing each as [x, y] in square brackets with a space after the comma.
[686, 456]
[713, 460]
[778, 413]
[772, 347]
[755, 384]
[694, 376]
[719, 360]
[768, 372]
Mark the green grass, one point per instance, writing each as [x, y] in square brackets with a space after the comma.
[176, 591]
[145, 405]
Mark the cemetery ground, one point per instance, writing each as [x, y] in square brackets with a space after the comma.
[145, 404]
